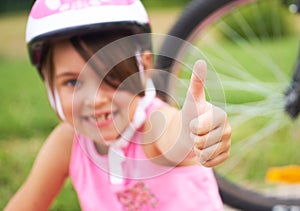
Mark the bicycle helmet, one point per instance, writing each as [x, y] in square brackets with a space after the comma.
[54, 19]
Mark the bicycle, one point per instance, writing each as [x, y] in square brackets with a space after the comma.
[259, 87]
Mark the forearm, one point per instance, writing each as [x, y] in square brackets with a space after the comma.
[28, 199]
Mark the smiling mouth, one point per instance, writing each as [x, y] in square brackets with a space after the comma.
[101, 118]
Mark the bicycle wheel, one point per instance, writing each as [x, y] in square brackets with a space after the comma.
[251, 46]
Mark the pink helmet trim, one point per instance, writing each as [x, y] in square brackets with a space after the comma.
[45, 8]
[53, 15]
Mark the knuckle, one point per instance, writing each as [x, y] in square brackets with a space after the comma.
[198, 127]
[204, 157]
[200, 142]
[197, 151]
[199, 145]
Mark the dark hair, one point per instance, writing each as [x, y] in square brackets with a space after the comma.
[112, 55]
[117, 61]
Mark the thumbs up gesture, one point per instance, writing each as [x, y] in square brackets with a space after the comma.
[204, 125]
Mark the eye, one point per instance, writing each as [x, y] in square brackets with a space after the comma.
[73, 82]
[112, 78]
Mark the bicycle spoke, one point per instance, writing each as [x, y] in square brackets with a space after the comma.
[257, 55]
[248, 143]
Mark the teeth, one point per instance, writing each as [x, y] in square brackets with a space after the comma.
[103, 117]
[109, 116]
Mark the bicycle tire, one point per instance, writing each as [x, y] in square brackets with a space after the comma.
[194, 17]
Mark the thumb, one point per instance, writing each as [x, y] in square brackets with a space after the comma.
[195, 102]
[195, 95]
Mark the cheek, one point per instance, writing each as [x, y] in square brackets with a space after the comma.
[127, 104]
[68, 106]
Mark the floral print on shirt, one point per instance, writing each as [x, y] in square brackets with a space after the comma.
[137, 197]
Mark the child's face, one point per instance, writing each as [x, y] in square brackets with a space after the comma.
[94, 108]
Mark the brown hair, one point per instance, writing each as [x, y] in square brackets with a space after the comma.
[117, 61]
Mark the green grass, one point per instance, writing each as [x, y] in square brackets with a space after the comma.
[25, 111]
[15, 157]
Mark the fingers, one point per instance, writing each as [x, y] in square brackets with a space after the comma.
[214, 154]
[208, 121]
[211, 134]
[216, 160]
[207, 140]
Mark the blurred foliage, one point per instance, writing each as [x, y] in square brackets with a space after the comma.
[246, 23]
[164, 4]
[25, 111]
[8, 6]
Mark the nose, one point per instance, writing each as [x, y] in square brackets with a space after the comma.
[101, 98]
[97, 98]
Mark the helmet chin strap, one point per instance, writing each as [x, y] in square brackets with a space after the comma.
[116, 155]
[54, 100]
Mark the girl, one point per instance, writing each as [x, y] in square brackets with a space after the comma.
[122, 147]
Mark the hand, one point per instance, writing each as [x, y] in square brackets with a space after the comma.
[208, 125]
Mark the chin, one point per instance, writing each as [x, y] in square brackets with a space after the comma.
[111, 137]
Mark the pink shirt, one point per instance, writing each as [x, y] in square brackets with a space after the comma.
[147, 186]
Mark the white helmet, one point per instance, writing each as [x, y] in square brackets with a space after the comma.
[53, 19]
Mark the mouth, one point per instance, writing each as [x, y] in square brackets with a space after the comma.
[101, 119]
